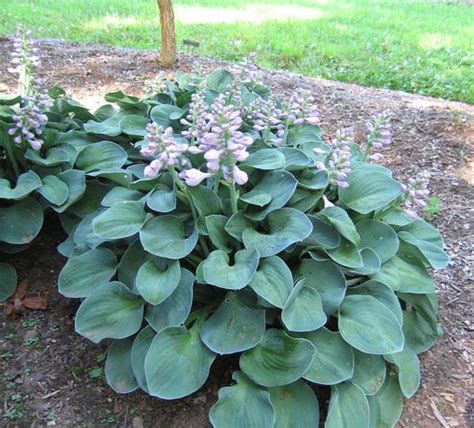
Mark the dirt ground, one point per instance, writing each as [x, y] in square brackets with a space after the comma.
[50, 375]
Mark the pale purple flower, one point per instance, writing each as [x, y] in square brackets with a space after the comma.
[416, 193]
[338, 161]
[301, 109]
[193, 176]
[250, 73]
[380, 134]
[265, 116]
[162, 145]
[196, 120]
[327, 202]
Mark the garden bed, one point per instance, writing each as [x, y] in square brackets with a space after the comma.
[52, 374]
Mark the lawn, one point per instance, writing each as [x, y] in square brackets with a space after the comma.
[425, 47]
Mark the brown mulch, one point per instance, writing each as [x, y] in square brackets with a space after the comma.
[49, 374]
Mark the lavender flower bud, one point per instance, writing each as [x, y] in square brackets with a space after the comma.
[416, 193]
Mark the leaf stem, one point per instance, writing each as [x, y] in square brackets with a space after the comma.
[233, 198]
[10, 152]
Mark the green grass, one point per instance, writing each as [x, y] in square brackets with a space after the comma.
[418, 46]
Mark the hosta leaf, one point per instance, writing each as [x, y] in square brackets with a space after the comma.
[134, 125]
[295, 405]
[347, 254]
[54, 156]
[369, 190]
[156, 283]
[90, 200]
[303, 310]
[348, 407]
[378, 236]
[110, 126]
[54, 190]
[323, 235]
[388, 274]
[215, 225]
[369, 372]
[278, 359]
[295, 159]
[326, 279]
[84, 273]
[334, 359]
[342, 222]
[140, 347]
[116, 175]
[286, 226]
[76, 182]
[175, 309]
[119, 194]
[8, 281]
[424, 231]
[206, 200]
[162, 200]
[387, 405]
[111, 311]
[118, 366]
[101, 156]
[234, 327]
[369, 326]
[272, 192]
[370, 263]
[426, 251]
[121, 220]
[304, 200]
[25, 184]
[21, 222]
[216, 269]
[242, 405]
[177, 363]
[266, 159]
[131, 261]
[166, 236]
[382, 293]
[84, 235]
[236, 225]
[165, 114]
[218, 80]
[273, 281]
[395, 217]
[413, 277]
[313, 180]
[408, 368]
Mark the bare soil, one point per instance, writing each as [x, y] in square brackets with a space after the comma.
[50, 375]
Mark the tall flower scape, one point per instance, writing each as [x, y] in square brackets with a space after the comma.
[210, 218]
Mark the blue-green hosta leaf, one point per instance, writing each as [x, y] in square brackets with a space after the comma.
[286, 226]
[131, 261]
[216, 269]
[111, 311]
[348, 407]
[424, 231]
[295, 160]
[75, 180]
[326, 279]
[84, 234]
[272, 192]
[218, 80]
[266, 159]
[55, 156]
[304, 200]
[234, 327]
[334, 359]
[313, 179]
[395, 217]
[109, 126]
[369, 190]
[278, 359]
[388, 275]
[426, 251]
[347, 255]
[162, 199]
[408, 368]
[295, 405]
[378, 236]
[177, 363]
[243, 405]
[303, 135]
[116, 175]
[215, 225]
[8, 281]
[21, 222]
[25, 184]
[382, 293]
[273, 281]
[91, 199]
[84, 273]
[121, 220]
[206, 200]
[140, 347]
[413, 277]
[323, 235]
[118, 366]
[303, 310]
[369, 326]
[421, 323]
[237, 223]
[119, 194]
[134, 125]
[124, 100]
[101, 156]
[369, 372]
[156, 283]
[342, 222]
[175, 309]
[54, 190]
[370, 263]
[165, 236]
[166, 114]
[387, 405]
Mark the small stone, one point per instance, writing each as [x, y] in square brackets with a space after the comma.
[137, 422]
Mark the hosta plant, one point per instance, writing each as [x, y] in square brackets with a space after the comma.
[232, 228]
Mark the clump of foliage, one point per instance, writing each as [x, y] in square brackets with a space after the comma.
[215, 221]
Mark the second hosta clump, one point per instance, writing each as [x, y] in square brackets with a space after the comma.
[233, 228]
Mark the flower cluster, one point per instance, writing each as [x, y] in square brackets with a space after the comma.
[338, 163]
[301, 109]
[416, 193]
[196, 120]
[265, 115]
[250, 73]
[168, 152]
[380, 134]
[28, 125]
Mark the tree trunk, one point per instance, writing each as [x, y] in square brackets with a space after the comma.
[168, 38]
